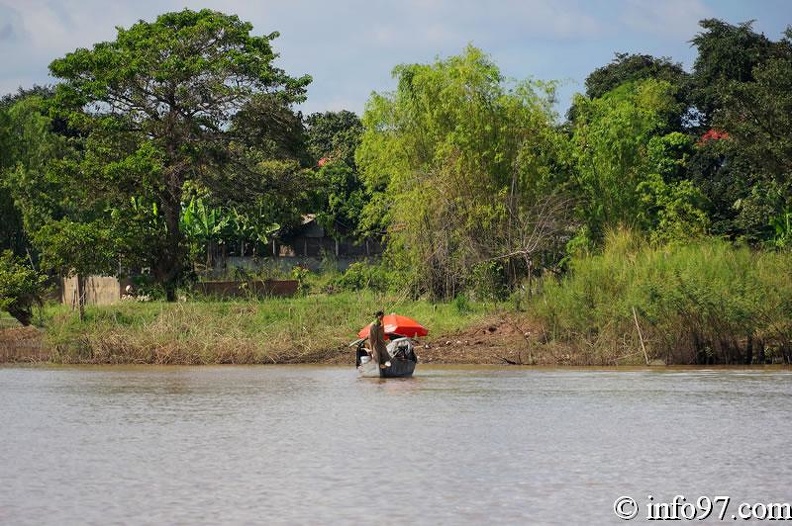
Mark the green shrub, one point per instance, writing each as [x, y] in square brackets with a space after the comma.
[488, 281]
[706, 302]
[362, 275]
[21, 287]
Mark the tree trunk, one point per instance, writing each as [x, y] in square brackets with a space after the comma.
[22, 315]
[749, 350]
[170, 264]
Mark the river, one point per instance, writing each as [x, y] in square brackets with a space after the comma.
[307, 445]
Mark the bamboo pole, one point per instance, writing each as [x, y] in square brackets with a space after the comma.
[640, 336]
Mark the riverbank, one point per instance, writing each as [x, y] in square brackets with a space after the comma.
[705, 303]
[318, 329]
[492, 340]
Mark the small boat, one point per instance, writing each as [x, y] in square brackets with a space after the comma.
[401, 363]
[400, 331]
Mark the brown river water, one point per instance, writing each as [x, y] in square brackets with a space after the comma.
[308, 445]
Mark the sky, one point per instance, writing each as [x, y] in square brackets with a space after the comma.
[350, 47]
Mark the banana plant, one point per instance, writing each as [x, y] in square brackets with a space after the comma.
[203, 226]
[248, 228]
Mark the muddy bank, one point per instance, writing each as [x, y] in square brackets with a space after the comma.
[494, 342]
[22, 344]
[490, 343]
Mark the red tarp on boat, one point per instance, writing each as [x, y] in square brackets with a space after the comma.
[398, 324]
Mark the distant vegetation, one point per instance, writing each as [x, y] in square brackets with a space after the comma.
[660, 206]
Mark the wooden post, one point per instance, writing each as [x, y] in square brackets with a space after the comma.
[640, 336]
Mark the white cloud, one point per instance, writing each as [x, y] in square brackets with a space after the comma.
[669, 19]
[351, 46]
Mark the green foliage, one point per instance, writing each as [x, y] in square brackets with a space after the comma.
[455, 161]
[744, 161]
[251, 228]
[632, 68]
[488, 281]
[176, 101]
[11, 231]
[726, 53]
[37, 179]
[364, 276]
[83, 249]
[628, 68]
[461, 304]
[277, 330]
[278, 191]
[724, 178]
[80, 249]
[179, 137]
[673, 208]
[302, 275]
[201, 222]
[21, 287]
[342, 197]
[783, 229]
[333, 137]
[338, 192]
[762, 140]
[630, 171]
[705, 302]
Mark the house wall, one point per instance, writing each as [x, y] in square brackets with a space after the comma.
[99, 290]
[103, 290]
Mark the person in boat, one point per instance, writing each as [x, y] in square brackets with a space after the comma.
[379, 352]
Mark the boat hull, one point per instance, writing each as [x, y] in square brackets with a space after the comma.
[401, 363]
[398, 368]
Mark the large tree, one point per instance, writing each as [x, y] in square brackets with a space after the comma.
[14, 150]
[744, 160]
[757, 115]
[66, 224]
[460, 165]
[33, 175]
[630, 168]
[11, 231]
[333, 136]
[632, 68]
[726, 53]
[158, 108]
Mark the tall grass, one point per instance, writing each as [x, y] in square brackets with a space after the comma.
[706, 302]
[276, 330]
[702, 303]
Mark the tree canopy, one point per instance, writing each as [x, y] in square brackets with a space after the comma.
[180, 135]
[160, 107]
[457, 160]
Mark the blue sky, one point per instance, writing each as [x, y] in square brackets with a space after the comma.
[350, 47]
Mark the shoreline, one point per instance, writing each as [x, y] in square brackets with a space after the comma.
[496, 342]
[486, 346]
[490, 345]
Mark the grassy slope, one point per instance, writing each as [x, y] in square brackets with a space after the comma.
[277, 330]
[702, 303]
